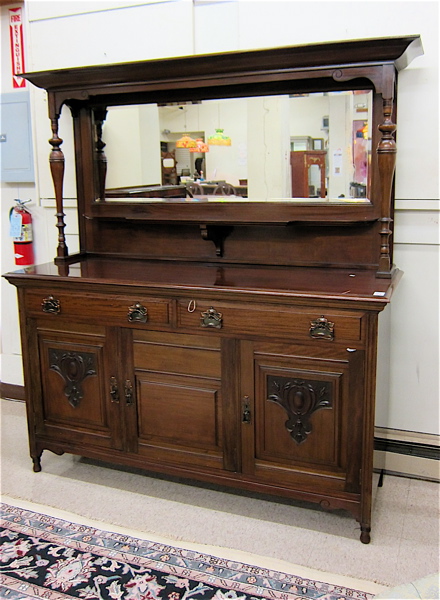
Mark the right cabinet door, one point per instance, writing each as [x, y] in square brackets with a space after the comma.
[306, 407]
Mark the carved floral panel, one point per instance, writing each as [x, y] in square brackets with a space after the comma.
[300, 398]
[73, 368]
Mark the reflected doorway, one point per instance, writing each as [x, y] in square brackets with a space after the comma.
[308, 169]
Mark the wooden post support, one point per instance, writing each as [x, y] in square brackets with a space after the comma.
[386, 154]
[101, 159]
[56, 161]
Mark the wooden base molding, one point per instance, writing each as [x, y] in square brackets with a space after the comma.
[10, 391]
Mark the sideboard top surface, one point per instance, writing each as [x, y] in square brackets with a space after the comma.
[265, 282]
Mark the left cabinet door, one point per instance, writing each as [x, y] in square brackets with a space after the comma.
[75, 396]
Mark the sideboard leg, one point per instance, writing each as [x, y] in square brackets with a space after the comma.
[365, 534]
[37, 463]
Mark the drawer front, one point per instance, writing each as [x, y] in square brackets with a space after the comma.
[272, 321]
[120, 310]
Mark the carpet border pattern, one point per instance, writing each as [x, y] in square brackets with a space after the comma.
[240, 579]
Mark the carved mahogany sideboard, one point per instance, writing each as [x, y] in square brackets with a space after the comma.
[228, 342]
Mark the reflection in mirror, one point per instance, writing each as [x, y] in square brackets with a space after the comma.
[298, 148]
[315, 174]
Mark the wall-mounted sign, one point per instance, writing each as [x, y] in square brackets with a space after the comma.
[17, 47]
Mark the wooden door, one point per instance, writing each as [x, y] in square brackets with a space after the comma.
[306, 406]
[74, 402]
[300, 188]
[186, 391]
[300, 164]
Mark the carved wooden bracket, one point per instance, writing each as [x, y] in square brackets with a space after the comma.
[73, 368]
[216, 234]
[300, 398]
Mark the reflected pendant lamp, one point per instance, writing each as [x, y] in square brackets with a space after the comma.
[186, 141]
[219, 139]
[200, 146]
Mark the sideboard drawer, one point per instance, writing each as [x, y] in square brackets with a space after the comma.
[276, 321]
[120, 310]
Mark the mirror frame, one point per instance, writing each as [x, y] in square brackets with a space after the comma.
[334, 66]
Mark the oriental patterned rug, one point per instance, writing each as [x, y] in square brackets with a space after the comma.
[46, 557]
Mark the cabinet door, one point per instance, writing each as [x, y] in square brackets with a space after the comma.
[186, 390]
[73, 402]
[306, 411]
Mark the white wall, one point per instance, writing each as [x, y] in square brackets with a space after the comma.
[65, 34]
[269, 147]
[132, 131]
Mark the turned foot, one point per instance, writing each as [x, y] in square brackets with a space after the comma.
[37, 463]
[365, 535]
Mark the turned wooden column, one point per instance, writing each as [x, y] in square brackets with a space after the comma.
[101, 159]
[56, 160]
[386, 156]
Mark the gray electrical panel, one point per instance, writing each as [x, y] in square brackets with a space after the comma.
[16, 150]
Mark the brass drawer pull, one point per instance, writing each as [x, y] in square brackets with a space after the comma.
[321, 328]
[211, 318]
[51, 305]
[137, 313]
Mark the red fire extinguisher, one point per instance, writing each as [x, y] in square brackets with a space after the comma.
[21, 233]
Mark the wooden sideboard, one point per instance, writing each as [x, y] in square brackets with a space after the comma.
[301, 162]
[228, 342]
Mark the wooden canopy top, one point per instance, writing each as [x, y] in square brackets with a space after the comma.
[397, 50]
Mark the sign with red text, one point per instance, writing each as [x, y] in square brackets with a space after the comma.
[17, 47]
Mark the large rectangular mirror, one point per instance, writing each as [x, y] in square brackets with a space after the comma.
[313, 147]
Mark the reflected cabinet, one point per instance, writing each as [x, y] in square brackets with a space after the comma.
[228, 338]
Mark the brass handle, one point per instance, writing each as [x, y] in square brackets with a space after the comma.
[246, 416]
[114, 391]
[51, 305]
[322, 328]
[128, 391]
[137, 313]
[211, 318]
